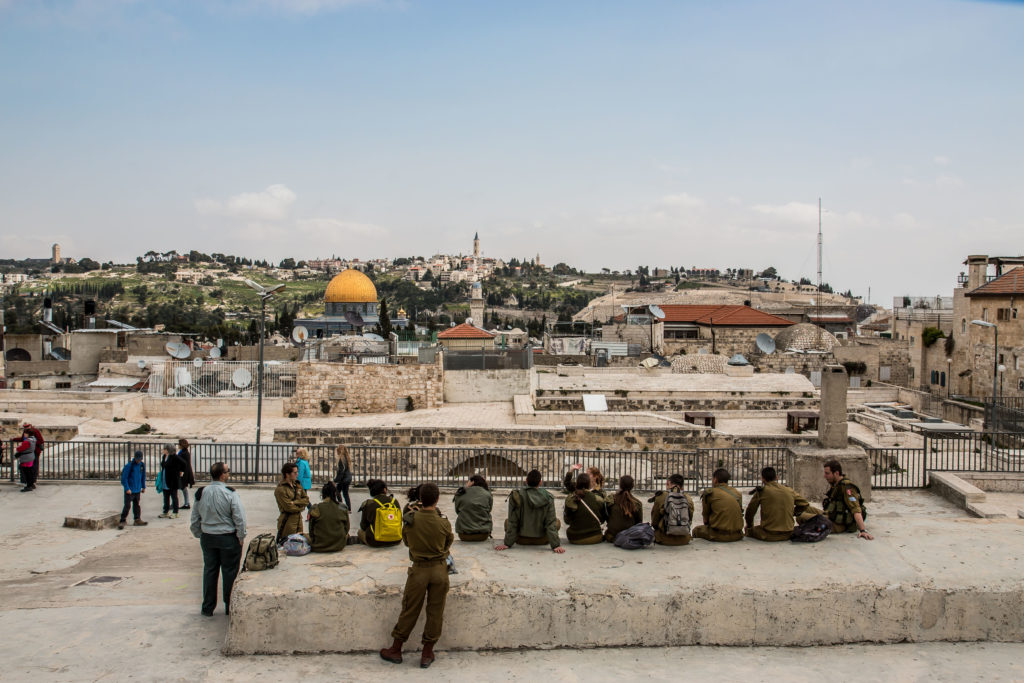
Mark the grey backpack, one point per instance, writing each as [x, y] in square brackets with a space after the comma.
[677, 514]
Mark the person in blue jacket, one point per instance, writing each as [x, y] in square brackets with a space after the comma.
[305, 473]
[133, 480]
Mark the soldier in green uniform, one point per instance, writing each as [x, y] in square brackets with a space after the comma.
[428, 534]
[778, 505]
[531, 517]
[844, 504]
[722, 511]
[672, 513]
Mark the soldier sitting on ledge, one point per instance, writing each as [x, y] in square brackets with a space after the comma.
[778, 505]
[722, 511]
[531, 517]
[844, 505]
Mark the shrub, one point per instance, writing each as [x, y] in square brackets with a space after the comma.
[930, 335]
[143, 428]
[325, 407]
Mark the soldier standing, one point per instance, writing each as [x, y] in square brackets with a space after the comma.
[844, 504]
[722, 511]
[428, 534]
[778, 505]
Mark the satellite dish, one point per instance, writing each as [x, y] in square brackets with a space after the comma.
[738, 360]
[300, 334]
[215, 352]
[354, 319]
[177, 350]
[451, 324]
[171, 392]
[142, 364]
[765, 344]
[197, 363]
[469, 321]
[241, 378]
[656, 311]
[182, 377]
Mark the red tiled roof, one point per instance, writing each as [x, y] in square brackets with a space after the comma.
[1010, 282]
[737, 316]
[465, 331]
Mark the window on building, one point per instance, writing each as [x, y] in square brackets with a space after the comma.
[26, 384]
[63, 385]
[1005, 313]
[963, 325]
[984, 314]
[911, 339]
[942, 379]
[911, 372]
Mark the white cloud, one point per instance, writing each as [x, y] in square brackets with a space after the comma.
[271, 204]
[941, 160]
[682, 200]
[317, 227]
[796, 212]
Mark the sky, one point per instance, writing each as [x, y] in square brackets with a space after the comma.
[603, 134]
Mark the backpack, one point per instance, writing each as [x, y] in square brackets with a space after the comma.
[387, 525]
[261, 554]
[159, 485]
[296, 545]
[677, 514]
[635, 537]
[815, 529]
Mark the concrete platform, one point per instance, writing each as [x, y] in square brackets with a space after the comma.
[93, 521]
[932, 574]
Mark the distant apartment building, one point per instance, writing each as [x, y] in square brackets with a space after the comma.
[924, 323]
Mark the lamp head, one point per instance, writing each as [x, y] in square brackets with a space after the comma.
[983, 323]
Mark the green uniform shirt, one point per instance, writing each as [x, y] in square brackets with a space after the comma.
[531, 513]
[428, 534]
[328, 527]
[723, 508]
[580, 523]
[843, 502]
[778, 505]
[473, 510]
[620, 521]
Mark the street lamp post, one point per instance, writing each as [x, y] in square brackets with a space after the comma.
[995, 372]
[949, 376]
[265, 294]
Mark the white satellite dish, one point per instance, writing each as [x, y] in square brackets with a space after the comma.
[765, 344]
[182, 377]
[469, 321]
[177, 350]
[142, 364]
[241, 378]
[197, 363]
[656, 311]
[300, 334]
[215, 352]
[170, 391]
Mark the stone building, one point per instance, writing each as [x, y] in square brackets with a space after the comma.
[466, 337]
[726, 330]
[994, 297]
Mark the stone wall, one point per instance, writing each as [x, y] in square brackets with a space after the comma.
[352, 389]
[210, 407]
[785, 401]
[483, 386]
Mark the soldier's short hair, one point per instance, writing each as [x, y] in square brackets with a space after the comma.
[834, 466]
[676, 480]
[533, 478]
[429, 494]
[721, 475]
[769, 474]
[217, 470]
[583, 482]
[287, 468]
[376, 487]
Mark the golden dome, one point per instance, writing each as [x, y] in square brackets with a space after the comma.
[350, 287]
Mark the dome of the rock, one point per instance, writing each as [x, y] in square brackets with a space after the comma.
[350, 286]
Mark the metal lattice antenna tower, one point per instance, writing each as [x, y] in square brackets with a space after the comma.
[818, 298]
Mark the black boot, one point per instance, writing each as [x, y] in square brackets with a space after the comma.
[394, 653]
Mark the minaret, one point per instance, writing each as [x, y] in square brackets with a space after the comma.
[476, 245]
[55, 250]
[476, 304]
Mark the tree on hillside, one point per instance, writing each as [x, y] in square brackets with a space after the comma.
[770, 273]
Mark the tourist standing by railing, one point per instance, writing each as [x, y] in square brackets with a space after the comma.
[171, 467]
[188, 477]
[343, 476]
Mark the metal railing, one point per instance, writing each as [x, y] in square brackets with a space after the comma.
[402, 466]
[218, 378]
[965, 451]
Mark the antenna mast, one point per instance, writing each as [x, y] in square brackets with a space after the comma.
[818, 298]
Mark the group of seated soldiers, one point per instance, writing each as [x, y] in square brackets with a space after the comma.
[591, 514]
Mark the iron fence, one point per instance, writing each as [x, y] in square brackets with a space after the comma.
[1006, 413]
[402, 466]
[496, 359]
[965, 451]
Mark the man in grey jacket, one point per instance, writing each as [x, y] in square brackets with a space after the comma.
[218, 521]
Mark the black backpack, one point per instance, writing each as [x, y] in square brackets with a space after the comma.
[815, 529]
[635, 537]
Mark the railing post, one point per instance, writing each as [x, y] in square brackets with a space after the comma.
[924, 457]
[248, 474]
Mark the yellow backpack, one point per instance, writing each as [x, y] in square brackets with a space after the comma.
[387, 525]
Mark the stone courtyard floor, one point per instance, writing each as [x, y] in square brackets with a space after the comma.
[62, 618]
